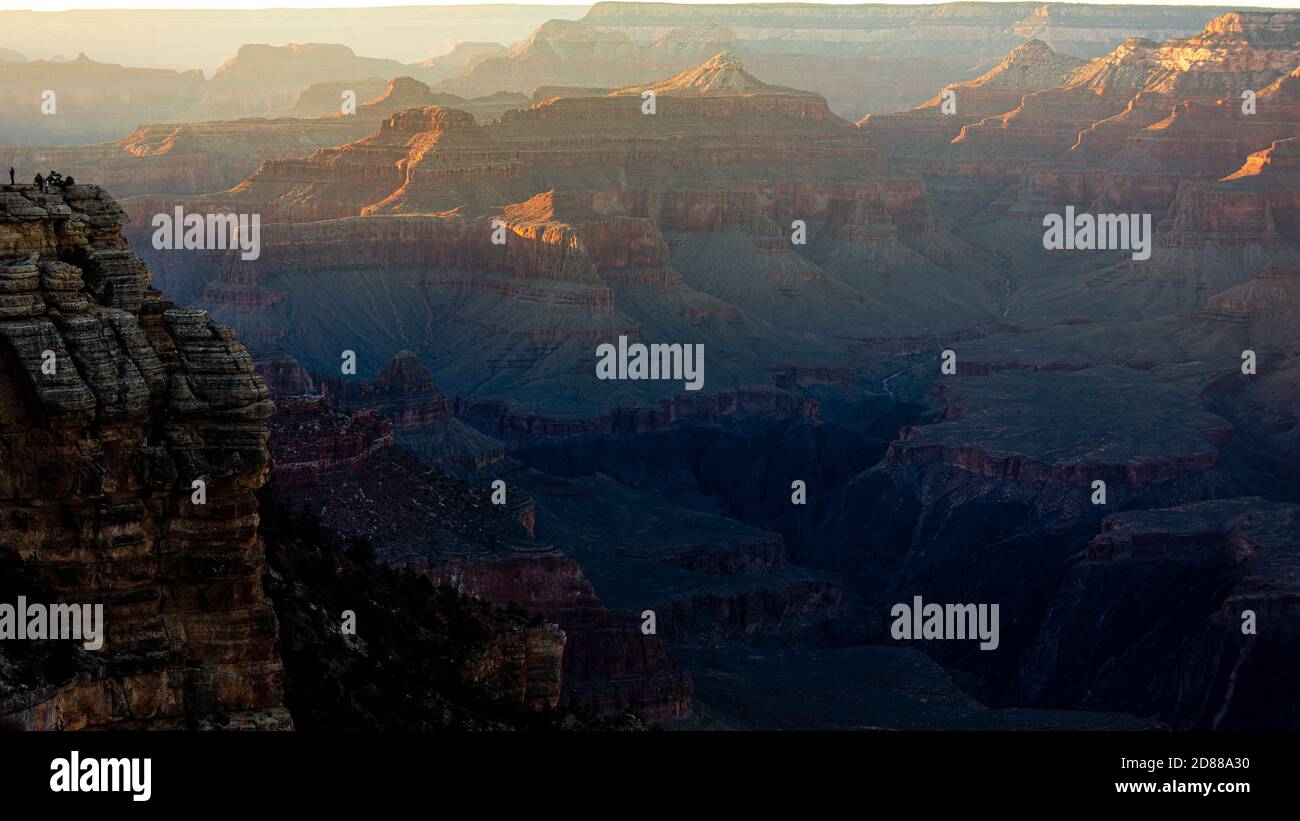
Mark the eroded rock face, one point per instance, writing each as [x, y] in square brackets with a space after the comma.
[114, 404]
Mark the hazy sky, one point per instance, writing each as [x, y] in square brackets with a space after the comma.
[61, 5]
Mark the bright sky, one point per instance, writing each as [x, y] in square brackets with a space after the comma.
[63, 5]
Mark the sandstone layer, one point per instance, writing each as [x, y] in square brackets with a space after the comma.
[116, 404]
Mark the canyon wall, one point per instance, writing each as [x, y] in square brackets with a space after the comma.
[115, 403]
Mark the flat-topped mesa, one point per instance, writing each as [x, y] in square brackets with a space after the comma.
[115, 408]
[611, 242]
[431, 122]
[377, 103]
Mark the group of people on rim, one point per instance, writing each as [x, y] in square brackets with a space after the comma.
[53, 180]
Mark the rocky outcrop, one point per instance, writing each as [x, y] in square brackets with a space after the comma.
[115, 405]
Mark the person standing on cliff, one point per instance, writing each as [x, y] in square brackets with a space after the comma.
[11, 175]
[40, 182]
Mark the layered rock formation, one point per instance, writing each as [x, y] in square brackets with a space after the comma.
[717, 176]
[920, 131]
[378, 99]
[346, 467]
[1184, 583]
[91, 101]
[192, 158]
[422, 417]
[1134, 103]
[865, 59]
[562, 52]
[115, 404]
[260, 78]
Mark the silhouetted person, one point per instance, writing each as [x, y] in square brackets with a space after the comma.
[11, 175]
[40, 182]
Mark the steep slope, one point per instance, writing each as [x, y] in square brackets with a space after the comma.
[102, 438]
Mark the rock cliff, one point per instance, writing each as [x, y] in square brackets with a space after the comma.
[115, 403]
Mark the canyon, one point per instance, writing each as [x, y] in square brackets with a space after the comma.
[786, 188]
[133, 459]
